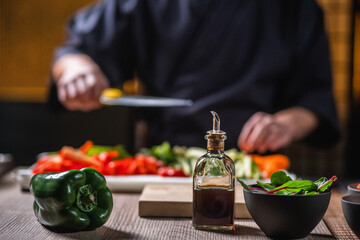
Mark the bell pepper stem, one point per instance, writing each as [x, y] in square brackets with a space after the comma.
[86, 198]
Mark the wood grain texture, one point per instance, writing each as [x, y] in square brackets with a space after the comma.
[335, 219]
[17, 221]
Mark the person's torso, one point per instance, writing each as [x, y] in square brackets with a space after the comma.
[228, 56]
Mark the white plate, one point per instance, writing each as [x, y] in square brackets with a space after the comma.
[122, 183]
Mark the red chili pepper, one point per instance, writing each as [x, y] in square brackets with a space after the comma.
[147, 164]
[106, 157]
[48, 163]
[140, 164]
[118, 167]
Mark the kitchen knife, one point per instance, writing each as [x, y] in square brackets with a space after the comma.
[115, 97]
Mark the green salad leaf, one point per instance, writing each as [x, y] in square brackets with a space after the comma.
[321, 181]
[326, 186]
[296, 186]
[244, 185]
[282, 184]
[278, 178]
[265, 186]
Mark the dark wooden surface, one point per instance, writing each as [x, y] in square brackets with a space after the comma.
[17, 221]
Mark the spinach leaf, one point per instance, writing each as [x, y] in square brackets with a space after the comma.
[295, 186]
[293, 192]
[327, 185]
[251, 188]
[244, 185]
[291, 187]
[279, 178]
[321, 181]
[258, 190]
[265, 186]
[310, 193]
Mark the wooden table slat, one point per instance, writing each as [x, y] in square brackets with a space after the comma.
[17, 221]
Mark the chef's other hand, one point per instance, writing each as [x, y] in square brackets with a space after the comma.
[79, 81]
[270, 132]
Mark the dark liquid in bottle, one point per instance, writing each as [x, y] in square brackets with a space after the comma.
[213, 207]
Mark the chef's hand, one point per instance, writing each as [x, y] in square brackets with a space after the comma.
[270, 132]
[79, 81]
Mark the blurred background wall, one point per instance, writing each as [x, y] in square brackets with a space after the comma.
[29, 34]
[30, 31]
[344, 41]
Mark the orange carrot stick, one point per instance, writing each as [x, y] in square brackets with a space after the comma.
[86, 147]
[271, 163]
[78, 156]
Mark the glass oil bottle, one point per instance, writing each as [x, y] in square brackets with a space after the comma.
[214, 184]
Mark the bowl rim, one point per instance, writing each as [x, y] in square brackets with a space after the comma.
[290, 196]
[353, 187]
[346, 200]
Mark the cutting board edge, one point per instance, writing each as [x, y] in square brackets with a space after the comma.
[154, 209]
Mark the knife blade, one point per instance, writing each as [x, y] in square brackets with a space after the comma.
[145, 101]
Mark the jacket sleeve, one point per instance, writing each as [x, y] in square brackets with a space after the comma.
[102, 31]
[311, 83]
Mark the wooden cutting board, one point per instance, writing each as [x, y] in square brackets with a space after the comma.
[175, 200]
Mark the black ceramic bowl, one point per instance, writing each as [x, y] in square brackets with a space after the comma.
[286, 217]
[352, 189]
[351, 209]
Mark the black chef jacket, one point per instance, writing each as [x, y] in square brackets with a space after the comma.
[233, 57]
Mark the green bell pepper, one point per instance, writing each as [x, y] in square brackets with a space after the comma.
[73, 200]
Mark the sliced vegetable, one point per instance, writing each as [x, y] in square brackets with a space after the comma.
[78, 156]
[140, 164]
[185, 159]
[117, 167]
[88, 155]
[51, 163]
[97, 149]
[162, 152]
[106, 157]
[115, 160]
[171, 172]
[271, 163]
[87, 146]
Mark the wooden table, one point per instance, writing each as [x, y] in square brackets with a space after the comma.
[17, 221]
